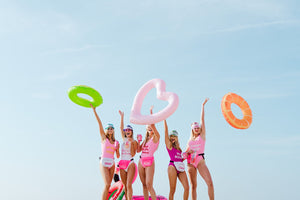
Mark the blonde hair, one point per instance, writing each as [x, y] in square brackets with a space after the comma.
[193, 134]
[113, 135]
[176, 145]
[146, 139]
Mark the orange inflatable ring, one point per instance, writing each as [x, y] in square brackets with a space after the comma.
[227, 100]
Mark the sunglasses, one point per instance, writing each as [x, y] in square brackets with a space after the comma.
[127, 129]
[110, 128]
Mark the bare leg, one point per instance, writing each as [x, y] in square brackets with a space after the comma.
[204, 172]
[130, 176]
[107, 174]
[123, 174]
[185, 183]
[193, 178]
[142, 175]
[149, 179]
[172, 173]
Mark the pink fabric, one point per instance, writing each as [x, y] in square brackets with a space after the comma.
[175, 155]
[126, 150]
[146, 161]
[108, 149]
[149, 148]
[197, 145]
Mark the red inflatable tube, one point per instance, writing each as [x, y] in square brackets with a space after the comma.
[115, 191]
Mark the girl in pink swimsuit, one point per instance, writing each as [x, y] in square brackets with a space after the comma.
[109, 146]
[126, 164]
[176, 167]
[146, 164]
[195, 157]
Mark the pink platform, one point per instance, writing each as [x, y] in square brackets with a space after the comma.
[141, 197]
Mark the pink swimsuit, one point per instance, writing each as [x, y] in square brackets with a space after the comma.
[108, 150]
[126, 157]
[176, 159]
[148, 150]
[197, 146]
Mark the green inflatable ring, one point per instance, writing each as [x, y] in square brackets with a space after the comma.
[75, 90]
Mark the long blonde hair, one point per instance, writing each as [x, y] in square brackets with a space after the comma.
[192, 131]
[113, 135]
[146, 139]
[176, 145]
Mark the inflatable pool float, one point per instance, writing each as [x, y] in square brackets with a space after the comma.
[116, 191]
[141, 197]
[229, 99]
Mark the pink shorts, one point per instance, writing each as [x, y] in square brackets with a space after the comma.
[146, 161]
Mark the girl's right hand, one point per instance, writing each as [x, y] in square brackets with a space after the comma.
[121, 113]
[92, 106]
[190, 151]
[151, 109]
[205, 101]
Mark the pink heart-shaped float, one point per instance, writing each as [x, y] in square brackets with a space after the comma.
[137, 118]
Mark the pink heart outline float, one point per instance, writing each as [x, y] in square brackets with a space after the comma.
[137, 118]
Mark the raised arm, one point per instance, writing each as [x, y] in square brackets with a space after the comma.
[156, 136]
[102, 133]
[151, 110]
[122, 124]
[156, 133]
[167, 141]
[203, 131]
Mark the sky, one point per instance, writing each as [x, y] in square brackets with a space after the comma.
[201, 48]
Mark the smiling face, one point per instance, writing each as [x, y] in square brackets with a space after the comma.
[173, 139]
[110, 132]
[149, 130]
[196, 131]
[128, 132]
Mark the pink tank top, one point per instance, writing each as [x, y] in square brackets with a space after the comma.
[175, 155]
[108, 149]
[149, 148]
[197, 145]
[126, 150]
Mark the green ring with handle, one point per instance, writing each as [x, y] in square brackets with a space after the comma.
[83, 89]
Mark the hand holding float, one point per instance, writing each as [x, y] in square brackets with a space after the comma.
[82, 89]
[137, 118]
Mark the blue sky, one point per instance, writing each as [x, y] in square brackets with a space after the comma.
[50, 146]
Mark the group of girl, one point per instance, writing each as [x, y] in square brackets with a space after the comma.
[194, 154]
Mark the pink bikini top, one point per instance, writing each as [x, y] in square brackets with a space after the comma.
[108, 149]
[149, 148]
[197, 145]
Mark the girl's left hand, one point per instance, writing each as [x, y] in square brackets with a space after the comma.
[205, 101]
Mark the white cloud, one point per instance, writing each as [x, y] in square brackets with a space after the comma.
[255, 26]
[64, 73]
